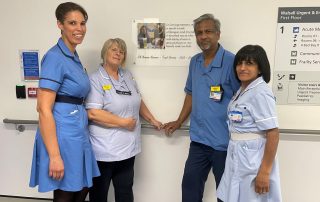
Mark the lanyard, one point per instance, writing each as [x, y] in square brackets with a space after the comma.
[120, 92]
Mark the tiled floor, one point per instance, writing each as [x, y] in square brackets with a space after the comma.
[11, 199]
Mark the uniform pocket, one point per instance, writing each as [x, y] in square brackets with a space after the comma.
[66, 114]
[250, 155]
[68, 120]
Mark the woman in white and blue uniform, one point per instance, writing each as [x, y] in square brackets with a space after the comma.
[114, 106]
[251, 172]
[63, 160]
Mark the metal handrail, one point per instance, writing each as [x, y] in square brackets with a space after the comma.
[146, 125]
[18, 121]
[21, 123]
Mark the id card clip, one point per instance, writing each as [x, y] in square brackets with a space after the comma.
[216, 93]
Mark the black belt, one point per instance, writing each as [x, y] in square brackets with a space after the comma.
[69, 99]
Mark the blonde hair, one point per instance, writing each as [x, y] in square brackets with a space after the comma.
[107, 45]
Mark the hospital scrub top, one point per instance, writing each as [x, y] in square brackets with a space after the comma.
[63, 73]
[112, 143]
[255, 110]
[208, 117]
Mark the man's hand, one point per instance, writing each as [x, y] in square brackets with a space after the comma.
[170, 127]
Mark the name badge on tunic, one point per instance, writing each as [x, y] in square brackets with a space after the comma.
[216, 93]
[235, 116]
[106, 87]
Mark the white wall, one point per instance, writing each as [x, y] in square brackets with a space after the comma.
[31, 25]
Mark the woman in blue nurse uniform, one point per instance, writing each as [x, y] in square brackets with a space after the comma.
[114, 105]
[251, 171]
[63, 160]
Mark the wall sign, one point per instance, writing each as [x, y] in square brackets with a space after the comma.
[163, 43]
[29, 60]
[296, 78]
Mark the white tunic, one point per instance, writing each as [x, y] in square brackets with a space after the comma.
[114, 144]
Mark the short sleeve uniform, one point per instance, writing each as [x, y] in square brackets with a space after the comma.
[114, 144]
[208, 119]
[63, 73]
[256, 104]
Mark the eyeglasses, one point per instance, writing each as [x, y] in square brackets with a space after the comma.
[117, 50]
[120, 92]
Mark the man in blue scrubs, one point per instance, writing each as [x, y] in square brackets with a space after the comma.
[210, 85]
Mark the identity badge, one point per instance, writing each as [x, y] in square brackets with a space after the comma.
[235, 116]
[216, 93]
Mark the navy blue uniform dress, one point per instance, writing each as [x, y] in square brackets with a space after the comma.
[63, 73]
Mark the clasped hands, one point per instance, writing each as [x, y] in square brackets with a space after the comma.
[168, 128]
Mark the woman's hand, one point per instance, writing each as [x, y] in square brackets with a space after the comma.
[45, 102]
[129, 123]
[156, 124]
[146, 114]
[56, 168]
[262, 183]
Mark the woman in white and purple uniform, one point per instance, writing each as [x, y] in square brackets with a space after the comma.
[251, 171]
